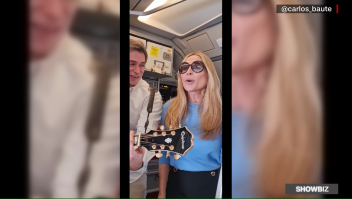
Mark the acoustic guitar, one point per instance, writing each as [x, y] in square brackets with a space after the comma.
[178, 141]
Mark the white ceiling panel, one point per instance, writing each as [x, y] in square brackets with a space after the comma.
[185, 17]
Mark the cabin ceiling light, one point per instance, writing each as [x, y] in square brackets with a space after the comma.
[154, 4]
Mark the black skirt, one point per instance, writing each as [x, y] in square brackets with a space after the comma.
[188, 184]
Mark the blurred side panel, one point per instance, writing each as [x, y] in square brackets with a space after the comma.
[276, 89]
[74, 99]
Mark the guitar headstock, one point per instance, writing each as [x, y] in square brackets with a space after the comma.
[178, 141]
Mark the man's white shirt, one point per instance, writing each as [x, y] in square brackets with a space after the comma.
[139, 96]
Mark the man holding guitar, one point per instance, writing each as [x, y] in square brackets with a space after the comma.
[139, 98]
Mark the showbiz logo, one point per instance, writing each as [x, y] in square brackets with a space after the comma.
[311, 189]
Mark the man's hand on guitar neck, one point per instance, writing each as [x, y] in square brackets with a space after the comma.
[136, 155]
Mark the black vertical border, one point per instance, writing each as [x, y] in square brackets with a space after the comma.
[227, 99]
[14, 98]
[124, 99]
[337, 98]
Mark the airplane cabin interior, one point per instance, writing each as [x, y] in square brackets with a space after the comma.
[169, 34]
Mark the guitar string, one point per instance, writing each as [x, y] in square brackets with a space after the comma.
[151, 136]
[162, 149]
[150, 143]
[146, 141]
[148, 135]
[145, 138]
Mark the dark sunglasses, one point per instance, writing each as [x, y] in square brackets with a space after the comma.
[246, 6]
[197, 67]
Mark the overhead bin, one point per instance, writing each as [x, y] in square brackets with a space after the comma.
[206, 41]
[200, 43]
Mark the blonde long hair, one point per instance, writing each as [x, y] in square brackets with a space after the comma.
[211, 116]
[290, 148]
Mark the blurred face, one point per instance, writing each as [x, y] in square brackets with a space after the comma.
[49, 20]
[253, 33]
[192, 81]
[137, 65]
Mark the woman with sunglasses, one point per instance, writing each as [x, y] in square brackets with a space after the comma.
[198, 106]
[275, 86]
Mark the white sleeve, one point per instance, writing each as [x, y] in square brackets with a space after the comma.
[105, 157]
[154, 119]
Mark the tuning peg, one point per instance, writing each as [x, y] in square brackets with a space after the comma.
[159, 154]
[167, 154]
[153, 146]
[162, 127]
[170, 127]
[162, 146]
[173, 133]
[163, 133]
[177, 156]
[171, 147]
[155, 133]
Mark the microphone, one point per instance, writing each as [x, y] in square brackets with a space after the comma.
[150, 106]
